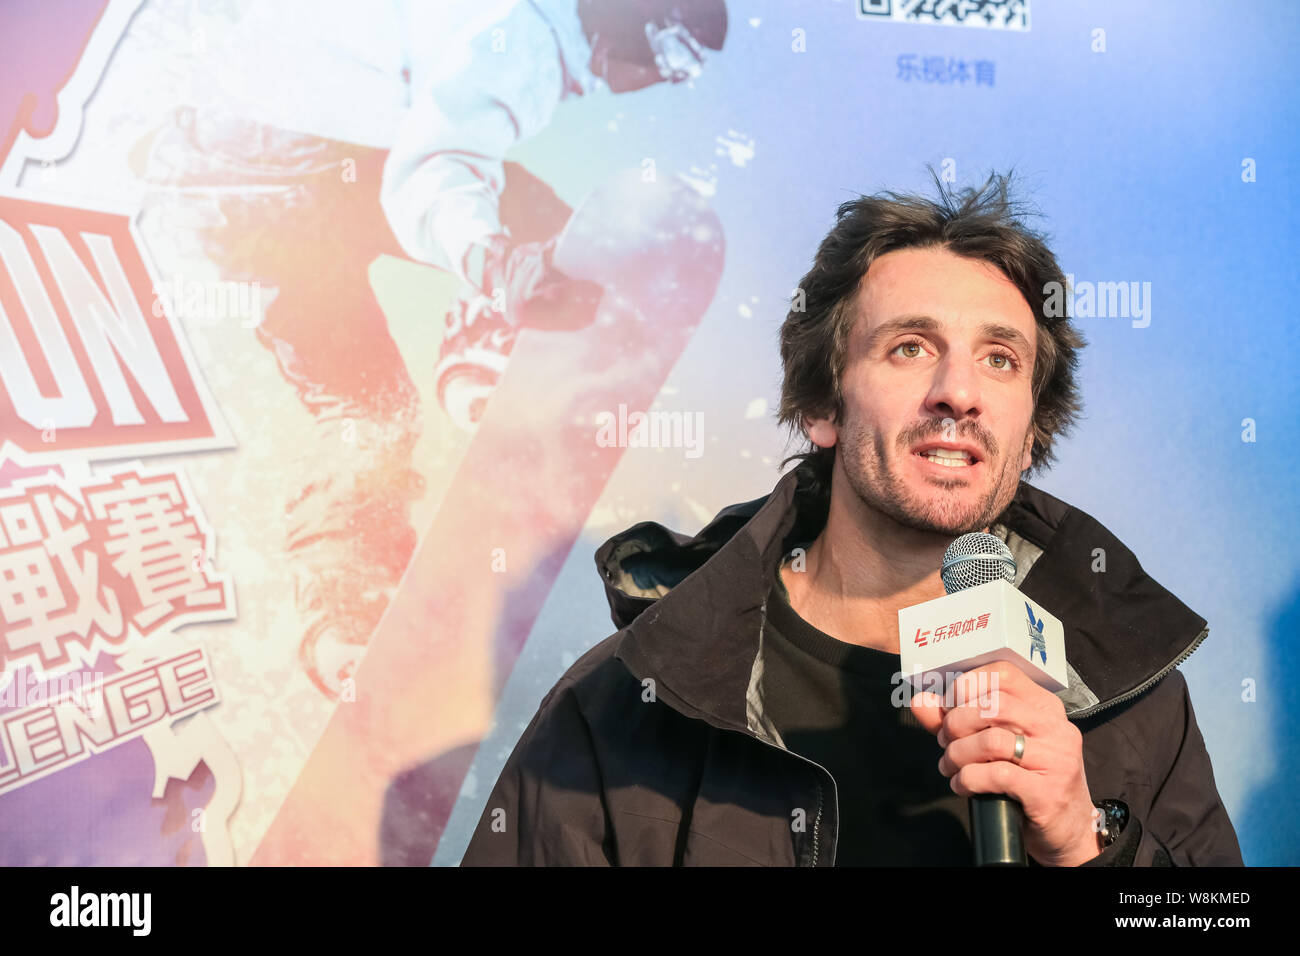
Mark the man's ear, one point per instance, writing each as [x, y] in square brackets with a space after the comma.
[822, 432]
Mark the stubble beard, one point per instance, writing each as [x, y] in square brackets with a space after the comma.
[866, 466]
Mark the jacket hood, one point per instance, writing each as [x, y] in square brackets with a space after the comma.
[691, 609]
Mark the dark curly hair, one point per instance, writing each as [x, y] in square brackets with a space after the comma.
[980, 223]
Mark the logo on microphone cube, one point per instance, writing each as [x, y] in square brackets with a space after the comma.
[1037, 643]
[948, 631]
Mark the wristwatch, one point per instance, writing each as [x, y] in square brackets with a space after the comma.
[1114, 817]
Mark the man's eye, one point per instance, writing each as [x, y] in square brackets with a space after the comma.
[910, 345]
[1007, 361]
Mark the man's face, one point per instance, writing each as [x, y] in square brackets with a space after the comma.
[940, 357]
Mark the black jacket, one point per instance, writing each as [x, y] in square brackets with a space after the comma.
[654, 749]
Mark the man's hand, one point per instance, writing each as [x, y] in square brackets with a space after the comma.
[979, 737]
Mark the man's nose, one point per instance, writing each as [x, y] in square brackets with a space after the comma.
[955, 389]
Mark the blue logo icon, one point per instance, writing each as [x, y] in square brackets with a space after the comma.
[1036, 640]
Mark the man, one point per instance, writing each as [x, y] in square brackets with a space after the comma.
[744, 713]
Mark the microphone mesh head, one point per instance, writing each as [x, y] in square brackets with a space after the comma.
[974, 559]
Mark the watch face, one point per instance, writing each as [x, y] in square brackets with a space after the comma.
[1115, 817]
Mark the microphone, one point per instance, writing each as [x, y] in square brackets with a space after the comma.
[983, 618]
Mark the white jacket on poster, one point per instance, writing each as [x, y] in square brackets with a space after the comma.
[447, 86]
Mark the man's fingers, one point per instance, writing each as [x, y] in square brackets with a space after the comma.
[1003, 678]
[996, 711]
[997, 777]
[975, 686]
[927, 708]
[999, 743]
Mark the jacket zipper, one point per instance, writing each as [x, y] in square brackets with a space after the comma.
[817, 824]
[817, 818]
[1148, 683]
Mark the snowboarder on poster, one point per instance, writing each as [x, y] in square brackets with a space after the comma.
[303, 195]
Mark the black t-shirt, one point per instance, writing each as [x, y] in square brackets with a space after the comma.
[831, 702]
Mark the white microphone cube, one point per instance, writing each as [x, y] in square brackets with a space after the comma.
[980, 625]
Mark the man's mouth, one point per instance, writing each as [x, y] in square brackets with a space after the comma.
[948, 455]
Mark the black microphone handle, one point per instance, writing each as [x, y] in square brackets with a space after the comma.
[996, 828]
